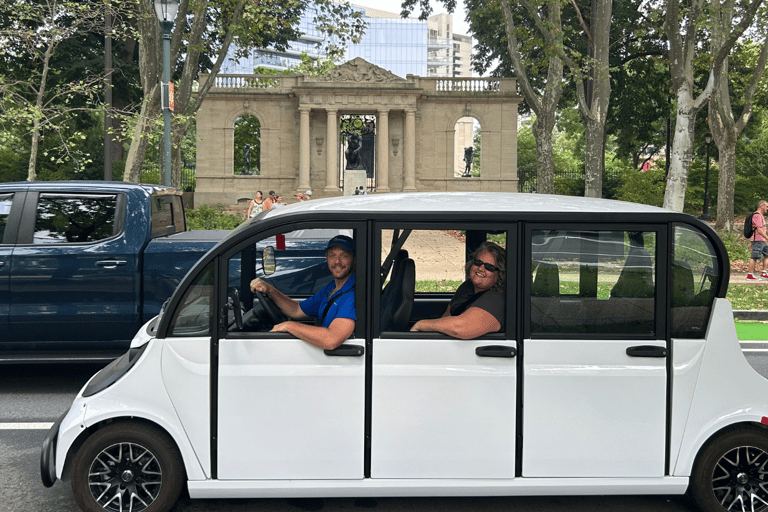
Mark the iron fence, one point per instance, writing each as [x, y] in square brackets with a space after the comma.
[527, 179]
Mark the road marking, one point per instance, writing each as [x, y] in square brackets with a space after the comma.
[25, 426]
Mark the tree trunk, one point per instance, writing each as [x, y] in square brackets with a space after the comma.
[545, 162]
[545, 107]
[725, 187]
[595, 118]
[150, 58]
[682, 150]
[144, 124]
[31, 168]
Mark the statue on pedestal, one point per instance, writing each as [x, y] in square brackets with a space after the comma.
[468, 151]
[246, 159]
[354, 147]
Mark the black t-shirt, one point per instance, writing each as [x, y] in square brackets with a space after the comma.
[490, 301]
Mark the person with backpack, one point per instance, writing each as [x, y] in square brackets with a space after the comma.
[758, 241]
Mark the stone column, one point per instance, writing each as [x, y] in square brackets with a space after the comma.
[410, 151]
[382, 152]
[304, 149]
[332, 153]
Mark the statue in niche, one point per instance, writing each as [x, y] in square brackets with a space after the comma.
[354, 147]
[246, 159]
[468, 151]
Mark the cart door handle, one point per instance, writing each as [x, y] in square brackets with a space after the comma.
[346, 350]
[647, 351]
[496, 351]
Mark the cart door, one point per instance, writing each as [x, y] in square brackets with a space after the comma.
[444, 407]
[595, 366]
[286, 409]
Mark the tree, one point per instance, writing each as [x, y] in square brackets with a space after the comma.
[726, 127]
[208, 27]
[683, 30]
[545, 104]
[28, 43]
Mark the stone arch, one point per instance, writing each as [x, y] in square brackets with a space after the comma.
[464, 130]
[246, 162]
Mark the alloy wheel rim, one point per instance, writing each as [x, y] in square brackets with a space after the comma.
[740, 480]
[125, 477]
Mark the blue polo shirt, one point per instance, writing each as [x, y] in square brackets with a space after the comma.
[343, 305]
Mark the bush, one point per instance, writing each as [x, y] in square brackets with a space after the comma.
[642, 187]
[207, 217]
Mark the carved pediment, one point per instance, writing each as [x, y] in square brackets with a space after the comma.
[358, 71]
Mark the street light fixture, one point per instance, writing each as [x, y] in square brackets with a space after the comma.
[705, 211]
[166, 11]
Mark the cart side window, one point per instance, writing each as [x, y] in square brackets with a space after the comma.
[193, 317]
[693, 281]
[593, 282]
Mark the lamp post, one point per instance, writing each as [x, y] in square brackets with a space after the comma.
[166, 12]
[705, 211]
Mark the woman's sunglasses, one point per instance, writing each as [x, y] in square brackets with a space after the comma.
[480, 263]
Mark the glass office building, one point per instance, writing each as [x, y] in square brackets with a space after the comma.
[395, 44]
[401, 46]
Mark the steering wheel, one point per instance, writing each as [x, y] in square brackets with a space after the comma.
[234, 303]
[275, 315]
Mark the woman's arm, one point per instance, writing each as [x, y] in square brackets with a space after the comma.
[470, 324]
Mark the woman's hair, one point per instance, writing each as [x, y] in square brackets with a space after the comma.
[500, 258]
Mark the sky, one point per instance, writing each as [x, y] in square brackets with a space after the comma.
[460, 26]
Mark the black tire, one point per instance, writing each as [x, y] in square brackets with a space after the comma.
[127, 464]
[732, 470]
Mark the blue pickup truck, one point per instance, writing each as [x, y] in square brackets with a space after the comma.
[84, 264]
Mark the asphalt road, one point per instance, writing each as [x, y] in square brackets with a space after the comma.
[34, 396]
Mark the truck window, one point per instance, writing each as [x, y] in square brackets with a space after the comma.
[71, 218]
[694, 277]
[6, 200]
[167, 215]
[590, 282]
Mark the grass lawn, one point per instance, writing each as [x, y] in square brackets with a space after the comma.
[748, 296]
[752, 330]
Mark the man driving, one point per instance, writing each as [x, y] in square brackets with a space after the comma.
[333, 306]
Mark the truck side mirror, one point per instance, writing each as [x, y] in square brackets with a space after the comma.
[268, 263]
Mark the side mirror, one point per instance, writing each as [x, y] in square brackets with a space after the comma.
[268, 263]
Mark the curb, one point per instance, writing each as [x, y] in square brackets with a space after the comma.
[750, 314]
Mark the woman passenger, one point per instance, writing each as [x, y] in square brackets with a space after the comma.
[477, 307]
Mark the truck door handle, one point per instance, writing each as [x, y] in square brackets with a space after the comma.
[647, 351]
[346, 350]
[111, 263]
[496, 351]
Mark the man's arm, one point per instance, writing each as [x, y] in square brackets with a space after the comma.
[287, 305]
[327, 338]
[470, 324]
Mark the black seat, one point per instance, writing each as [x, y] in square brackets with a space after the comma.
[636, 278]
[397, 296]
[547, 280]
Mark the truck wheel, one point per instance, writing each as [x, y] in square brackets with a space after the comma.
[731, 472]
[127, 467]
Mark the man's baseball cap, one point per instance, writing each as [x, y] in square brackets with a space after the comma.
[342, 241]
[308, 192]
[271, 192]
